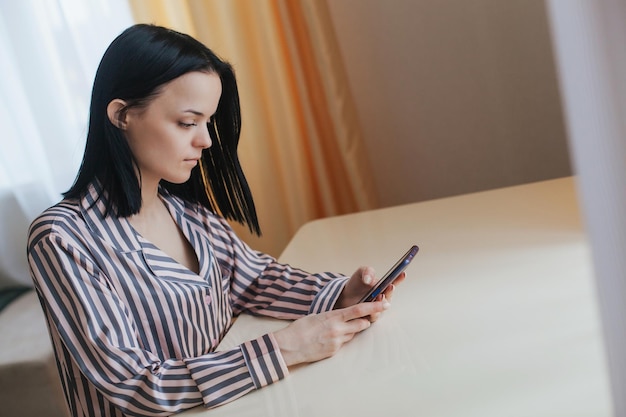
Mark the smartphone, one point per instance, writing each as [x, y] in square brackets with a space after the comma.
[391, 275]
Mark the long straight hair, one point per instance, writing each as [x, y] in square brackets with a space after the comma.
[134, 68]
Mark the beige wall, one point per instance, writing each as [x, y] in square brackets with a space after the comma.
[454, 96]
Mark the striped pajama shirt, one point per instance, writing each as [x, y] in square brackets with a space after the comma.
[134, 332]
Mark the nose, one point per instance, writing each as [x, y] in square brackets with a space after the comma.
[203, 138]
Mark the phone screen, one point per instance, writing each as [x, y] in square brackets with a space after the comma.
[391, 275]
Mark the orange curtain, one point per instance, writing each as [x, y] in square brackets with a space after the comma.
[301, 146]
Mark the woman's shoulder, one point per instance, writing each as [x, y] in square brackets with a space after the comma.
[60, 216]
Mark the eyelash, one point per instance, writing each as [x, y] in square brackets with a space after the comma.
[188, 125]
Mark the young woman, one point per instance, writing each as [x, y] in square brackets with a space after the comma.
[138, 272]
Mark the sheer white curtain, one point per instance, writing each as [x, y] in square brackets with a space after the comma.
[49, 52]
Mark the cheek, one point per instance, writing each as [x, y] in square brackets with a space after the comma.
[153, 140]
[146, 140]
[145, 149]
[133, 143]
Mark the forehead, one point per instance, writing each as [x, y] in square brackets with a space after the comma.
[198, 90]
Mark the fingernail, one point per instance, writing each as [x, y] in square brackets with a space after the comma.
[386, 304]
[367, 279]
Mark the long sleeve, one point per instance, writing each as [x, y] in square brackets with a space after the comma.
[262, 286]
[100, 339]
[135, 332]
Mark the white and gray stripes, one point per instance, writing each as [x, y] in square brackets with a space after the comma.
[134, 332]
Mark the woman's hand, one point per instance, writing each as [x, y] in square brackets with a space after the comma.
[319, 336]
[360, 283]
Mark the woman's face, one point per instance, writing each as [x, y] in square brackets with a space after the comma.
[168, 135]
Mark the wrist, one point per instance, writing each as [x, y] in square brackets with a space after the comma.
[288, 352]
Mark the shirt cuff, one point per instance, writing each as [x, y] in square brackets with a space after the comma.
[326, 299]
[264, 360]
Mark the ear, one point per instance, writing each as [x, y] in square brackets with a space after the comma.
[116, 112]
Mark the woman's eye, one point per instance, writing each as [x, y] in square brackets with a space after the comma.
[188, 124]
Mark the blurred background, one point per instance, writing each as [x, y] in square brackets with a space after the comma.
[347, 105]
[350, 105]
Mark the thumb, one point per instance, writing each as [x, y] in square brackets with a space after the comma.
[367, 275]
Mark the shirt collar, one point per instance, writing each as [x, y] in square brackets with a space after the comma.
[101, 217]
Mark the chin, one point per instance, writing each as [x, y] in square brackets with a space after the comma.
[178, 179]
[182, 175]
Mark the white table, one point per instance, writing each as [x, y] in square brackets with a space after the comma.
[498, 315]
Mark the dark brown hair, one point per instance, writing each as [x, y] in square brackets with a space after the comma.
[134, 67]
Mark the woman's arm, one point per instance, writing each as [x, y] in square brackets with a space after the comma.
[262, 286]
[96, 330]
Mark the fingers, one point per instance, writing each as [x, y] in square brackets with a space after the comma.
[367, 275]
[357, 325]
[362, 310]
[373, 317]
[388, 293]
[318, 336]
[400, 278]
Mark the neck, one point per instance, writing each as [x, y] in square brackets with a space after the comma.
[149, 194]
[151, 204]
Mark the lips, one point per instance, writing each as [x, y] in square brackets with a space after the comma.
[191, 162]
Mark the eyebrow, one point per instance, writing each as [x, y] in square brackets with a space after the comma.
[197, 113]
